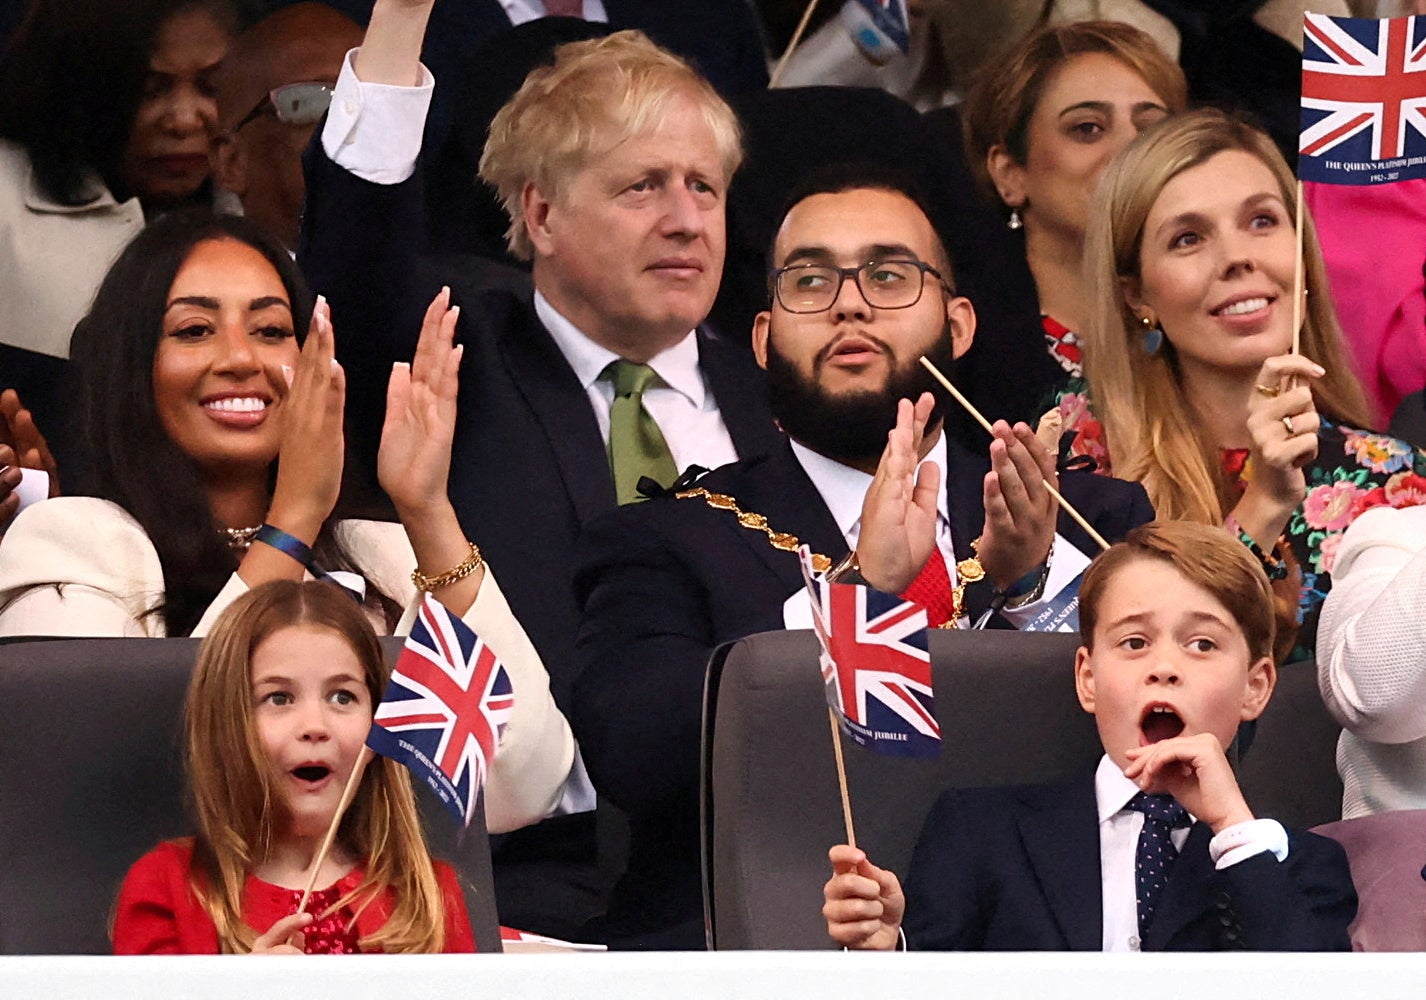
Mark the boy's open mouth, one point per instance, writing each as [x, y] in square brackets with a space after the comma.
[1160, 722]
[311, 772]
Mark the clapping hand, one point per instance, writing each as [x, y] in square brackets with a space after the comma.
[1020, 513]
[414, 460]
[22, 446]
[309, 463]
[898, 525]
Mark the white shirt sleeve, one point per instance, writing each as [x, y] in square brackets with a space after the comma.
[1242, 841]
[374, 130]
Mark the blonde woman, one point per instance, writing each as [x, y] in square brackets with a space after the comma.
[1189, 258]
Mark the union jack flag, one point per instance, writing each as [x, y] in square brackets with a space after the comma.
[876, 667]
[1363, 100]
[444, 709]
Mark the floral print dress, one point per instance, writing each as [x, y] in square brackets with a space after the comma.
[1354, 471]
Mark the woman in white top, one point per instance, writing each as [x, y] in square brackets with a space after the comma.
[215, 435]
[1371, 660]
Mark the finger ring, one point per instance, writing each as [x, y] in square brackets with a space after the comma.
[1270, 391]
[1287, 422]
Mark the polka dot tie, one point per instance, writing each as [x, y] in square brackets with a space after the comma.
[1156, 852]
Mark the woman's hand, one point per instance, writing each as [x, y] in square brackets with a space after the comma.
[414, 460]
[309, 464]
[1283, 425]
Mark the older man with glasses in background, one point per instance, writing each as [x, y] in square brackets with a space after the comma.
[860, 288]
[274, 86]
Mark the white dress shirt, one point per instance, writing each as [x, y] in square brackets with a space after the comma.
[843, 489]
[680, 402]
[374, 131]
[1119, 829]
[520, 11]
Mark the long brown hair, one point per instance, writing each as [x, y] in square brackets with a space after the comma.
[1139, 397]
[231, 786]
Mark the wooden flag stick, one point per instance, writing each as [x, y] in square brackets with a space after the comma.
[792, 43]
[1297, 281]
[346, 800]
[842, 777]
[970, 408]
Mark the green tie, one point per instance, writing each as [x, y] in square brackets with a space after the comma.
[636, 445]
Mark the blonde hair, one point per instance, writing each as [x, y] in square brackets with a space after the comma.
[597, 94]
[1138, 396]
[231, 785]
[1003, 98]
[1207, 557]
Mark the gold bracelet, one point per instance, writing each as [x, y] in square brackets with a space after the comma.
[472, 563]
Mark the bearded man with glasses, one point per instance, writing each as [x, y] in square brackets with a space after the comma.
[860, 288]
[274, 86]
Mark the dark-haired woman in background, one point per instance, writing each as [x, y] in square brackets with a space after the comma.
[106, 113]
[1041, 124]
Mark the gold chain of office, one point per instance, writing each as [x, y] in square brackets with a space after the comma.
[967, 570]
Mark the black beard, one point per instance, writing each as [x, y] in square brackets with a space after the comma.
[852, 428]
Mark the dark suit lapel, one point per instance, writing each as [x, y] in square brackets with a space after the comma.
[1059, 828]
[776, 487]
[562, 408]
[738, 386]
[1185, 897]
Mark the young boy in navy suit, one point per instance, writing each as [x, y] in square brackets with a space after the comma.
[1155, 848]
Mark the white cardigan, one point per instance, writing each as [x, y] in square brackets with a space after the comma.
[111, 575]
[1371, 660]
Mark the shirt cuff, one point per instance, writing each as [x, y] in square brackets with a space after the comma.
[374, 130]
[1245, 840]
[797, 610]
[1066, 563]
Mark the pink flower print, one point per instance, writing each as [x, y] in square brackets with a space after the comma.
[1406, 489]
[1378, 452]
[1326, 556]
[1329, 507]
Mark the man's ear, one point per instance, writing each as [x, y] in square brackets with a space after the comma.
[1007, 175]
[230, 165]
[1262, 679]
[961, 315]
[762, 329]
[1084, 679]
[535, 208]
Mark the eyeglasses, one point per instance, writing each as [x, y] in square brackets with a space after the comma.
[885, 284]
[293, 104]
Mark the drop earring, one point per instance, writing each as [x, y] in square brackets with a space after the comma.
[1153, 336]
[1014, 220]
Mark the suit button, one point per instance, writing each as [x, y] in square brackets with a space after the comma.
[1221, 899]
[1226, 919]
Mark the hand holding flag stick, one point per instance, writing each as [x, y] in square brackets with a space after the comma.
[980, 419]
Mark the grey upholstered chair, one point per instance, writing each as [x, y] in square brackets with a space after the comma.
[90, 779]
[1008, 714]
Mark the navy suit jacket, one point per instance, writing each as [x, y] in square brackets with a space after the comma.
[1017, 869]
[661, 584]
[529, 467]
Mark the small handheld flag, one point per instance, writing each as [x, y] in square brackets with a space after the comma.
[880, 28]
[444, 709]
[1363, 100]
[876, 666]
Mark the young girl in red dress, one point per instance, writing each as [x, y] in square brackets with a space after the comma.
[277, 716]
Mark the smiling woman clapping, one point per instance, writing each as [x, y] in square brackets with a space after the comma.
[213, 410]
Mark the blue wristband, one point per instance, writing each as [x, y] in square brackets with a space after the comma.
[299, 550]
